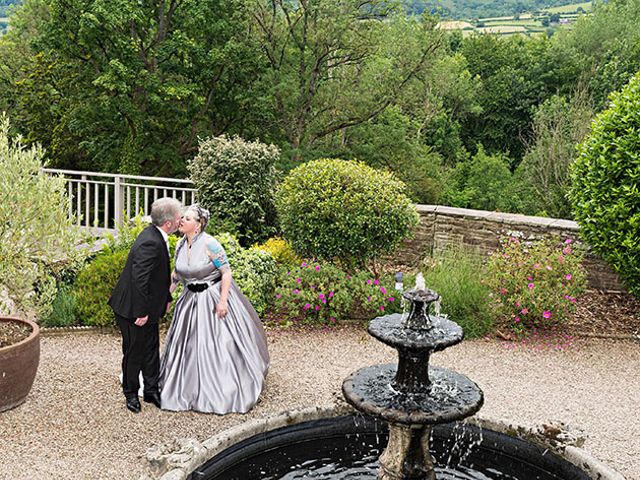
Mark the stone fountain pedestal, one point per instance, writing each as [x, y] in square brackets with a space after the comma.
[412, 396]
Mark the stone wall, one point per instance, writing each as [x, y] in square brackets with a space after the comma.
[442, 226]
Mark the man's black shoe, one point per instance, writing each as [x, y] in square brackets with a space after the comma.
[133, 404]
[152, 398]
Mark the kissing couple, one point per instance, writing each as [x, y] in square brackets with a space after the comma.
[215, 357]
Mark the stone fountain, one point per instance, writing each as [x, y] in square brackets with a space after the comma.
[413, 396]
[416, 401]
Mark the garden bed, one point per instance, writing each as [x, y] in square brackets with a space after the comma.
[605, 314]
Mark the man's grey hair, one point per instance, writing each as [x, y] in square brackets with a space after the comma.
[165, 210]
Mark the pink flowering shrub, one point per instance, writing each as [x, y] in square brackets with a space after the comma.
[376, 296]
[320, 292]
[314, 292]
[536, 284]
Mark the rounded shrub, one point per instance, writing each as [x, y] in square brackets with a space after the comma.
[235, 180]
[94, 285]
[605, 190]
[344, 210]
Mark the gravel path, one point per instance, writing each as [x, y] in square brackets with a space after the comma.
[74, 424]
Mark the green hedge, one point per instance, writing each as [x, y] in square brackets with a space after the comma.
[605, 188]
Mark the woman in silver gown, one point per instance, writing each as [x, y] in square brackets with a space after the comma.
[215, 358]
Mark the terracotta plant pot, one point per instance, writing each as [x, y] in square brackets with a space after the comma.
[18, 366]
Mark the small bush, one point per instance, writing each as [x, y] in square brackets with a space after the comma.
[126, 234]
[536, 284]
[235, 180]
[315, 292]
[254, 271]
[94, 285]
[458, 276]
[375, 296]
[280, 250]
[605, 190]
[63, 311]
[344, 210]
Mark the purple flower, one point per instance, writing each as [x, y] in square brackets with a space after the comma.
[321, 296]
[568, 241]
[307, 306]
[517, 319]
[330, 294]
[546, 314]
[298, 280]
[317, 268]
[303, 264]
[369, 298]
[566, 250]
[376, 282]
[524, 311]
[383, 290]
[529, 278]
[278, 295]
[332, 320]
[549, 267]
[295, 291]
[568, 276]
[531, 285]
[390, 299]
[536, 265]
[369, 282]
[317, 307]
[382, 308]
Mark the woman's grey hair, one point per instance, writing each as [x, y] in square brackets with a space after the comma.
[165, 210]
[202, 215]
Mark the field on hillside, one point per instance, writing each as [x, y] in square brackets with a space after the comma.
[586, 6]
[525, 23]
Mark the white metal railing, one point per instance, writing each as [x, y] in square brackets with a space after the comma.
[104, 200]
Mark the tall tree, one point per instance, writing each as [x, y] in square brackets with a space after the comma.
[141, 80]
[335, 64]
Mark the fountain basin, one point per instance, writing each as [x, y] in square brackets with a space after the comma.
[348, 446]
[450, 396]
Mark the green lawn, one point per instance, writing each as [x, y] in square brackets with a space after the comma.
[586, 6]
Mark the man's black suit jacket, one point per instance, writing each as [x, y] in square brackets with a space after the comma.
[143, 287]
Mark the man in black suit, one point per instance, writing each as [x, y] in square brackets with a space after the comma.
[140, 298]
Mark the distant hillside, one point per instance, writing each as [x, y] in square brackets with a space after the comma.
[470, 9]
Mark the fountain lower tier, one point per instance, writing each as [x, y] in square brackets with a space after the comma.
[449, 396]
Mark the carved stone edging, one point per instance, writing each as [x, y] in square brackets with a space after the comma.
[175, 460]
[82, 329]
